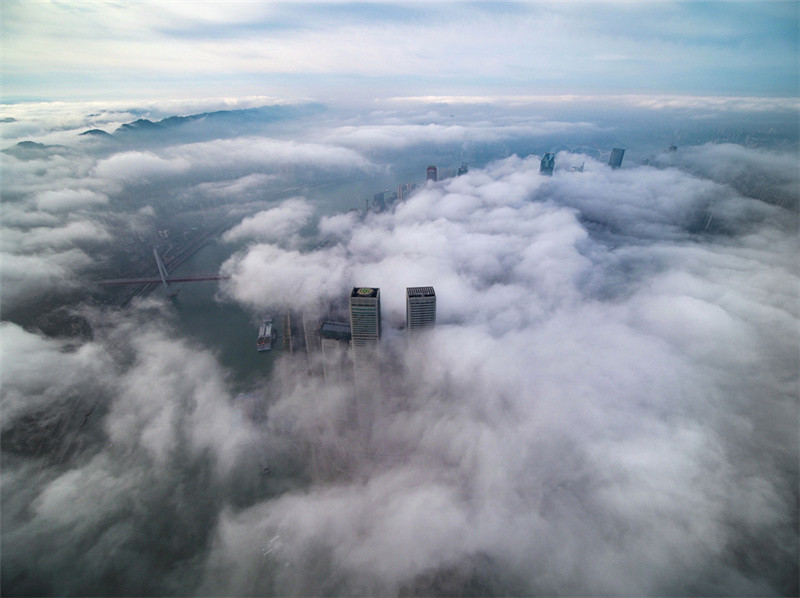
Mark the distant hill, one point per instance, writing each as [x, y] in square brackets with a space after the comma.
[96, 133]
[31, 150]
[207, 125]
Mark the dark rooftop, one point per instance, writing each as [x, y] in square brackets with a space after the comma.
[337, 330]
[420, 292]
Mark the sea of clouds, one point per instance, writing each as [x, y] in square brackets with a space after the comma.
[608, 404]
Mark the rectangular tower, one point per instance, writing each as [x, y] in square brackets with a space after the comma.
[365, 316]
[615, 161]
[548, 164]
[335, 338]
[420, 308]
[365, 330]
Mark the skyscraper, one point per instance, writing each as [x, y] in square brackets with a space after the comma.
[365, 315]
[548, 164]
[430, 175]
[365, 330]
[335, 338]
[404, 189]
[420, 308]
[615, 161]
[311, 334]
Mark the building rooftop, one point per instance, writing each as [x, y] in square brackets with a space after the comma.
[420, 292]
[365, 292]
[337, 330]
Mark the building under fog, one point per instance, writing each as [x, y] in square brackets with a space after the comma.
[430, 174]
[334, 342]
[365, 331]
[404, 189]
[615, 161]
[548, 164]
[312, 340]
[420, 308]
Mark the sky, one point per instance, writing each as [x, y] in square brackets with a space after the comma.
[84, 50]
[609, 402]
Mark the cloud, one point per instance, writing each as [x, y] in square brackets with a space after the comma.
[68, 199]
[629, 425]
[275, 224]
[158, 404]
[241, 188]
[28, 277]
[402, 136]
[612, 382]
[139, 167]
[253, 152]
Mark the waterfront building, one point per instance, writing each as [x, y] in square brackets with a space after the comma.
[420, 308]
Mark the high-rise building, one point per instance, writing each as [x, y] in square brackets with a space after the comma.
[312, 339]
[615, 161]
[420, 308]
[548, 164]
[463, 169]
[334, 340]
[365, 315]
[365, 330]
[378, 202]
[404, 189]
[430, 174]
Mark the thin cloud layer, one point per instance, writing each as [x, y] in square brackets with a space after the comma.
[402, 136]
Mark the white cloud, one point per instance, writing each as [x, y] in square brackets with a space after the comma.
[68, 199]
[550, 418]
[402, 136]
[140, 167]
[275, 224]
[254, 152]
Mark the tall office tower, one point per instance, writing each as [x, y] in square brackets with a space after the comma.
[463, 169]
[311, 335]
[430, 174]
[420, 308]
[615, 161]
[548, 164]
[379, 202]
[335, 340]
[365, 330]
[404, 189]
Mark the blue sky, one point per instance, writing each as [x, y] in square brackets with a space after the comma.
[359, 51]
